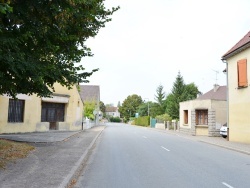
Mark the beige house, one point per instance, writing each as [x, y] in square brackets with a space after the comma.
[63, 111]
[206, 114]
[112, 111]
[238, 75]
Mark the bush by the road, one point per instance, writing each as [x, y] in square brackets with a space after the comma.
[142, 121]
[115, 119]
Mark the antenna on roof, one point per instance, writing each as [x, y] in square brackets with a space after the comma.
[216, 73]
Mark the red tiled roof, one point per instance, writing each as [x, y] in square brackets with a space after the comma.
[219, 94]
[245, 40]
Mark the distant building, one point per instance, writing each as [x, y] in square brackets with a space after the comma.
[112, 111]
[206, 114]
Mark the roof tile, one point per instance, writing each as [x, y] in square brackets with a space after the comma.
[245, 40]
[219, 94]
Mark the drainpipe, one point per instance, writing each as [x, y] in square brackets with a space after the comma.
[225, 61]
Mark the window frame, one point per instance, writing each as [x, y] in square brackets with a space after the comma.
[16, 111]
[201, 116]
[185, 114]
[53, 112]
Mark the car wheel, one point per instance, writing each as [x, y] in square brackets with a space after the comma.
[224, 136]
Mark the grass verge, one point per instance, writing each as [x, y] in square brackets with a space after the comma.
[10, 151]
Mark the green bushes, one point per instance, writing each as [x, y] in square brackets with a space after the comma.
[163, 117]
[115, 119]
[142, 121]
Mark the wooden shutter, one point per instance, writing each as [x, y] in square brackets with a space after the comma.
[242, 73]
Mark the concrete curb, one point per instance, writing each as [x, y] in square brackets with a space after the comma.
[77, 167]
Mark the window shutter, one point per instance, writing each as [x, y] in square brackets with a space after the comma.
[242, 73]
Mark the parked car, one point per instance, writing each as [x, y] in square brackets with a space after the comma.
[223, 130]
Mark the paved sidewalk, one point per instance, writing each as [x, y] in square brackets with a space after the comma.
[52, 164]
[217, 141]
[40, 137]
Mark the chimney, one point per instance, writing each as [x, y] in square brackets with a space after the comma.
[216, 87]
[199, 94]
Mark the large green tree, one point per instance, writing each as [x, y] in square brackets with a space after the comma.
[43, 42]
[160, 99]
[180, 92]
[153, 108]
[129, 106]
[102, 107]
[160, 95]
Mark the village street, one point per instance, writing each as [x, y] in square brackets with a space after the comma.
[131, 156]
[123, 155]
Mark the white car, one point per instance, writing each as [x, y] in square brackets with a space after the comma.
[223, 130]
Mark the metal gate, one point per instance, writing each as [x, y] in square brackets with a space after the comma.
[152, 122]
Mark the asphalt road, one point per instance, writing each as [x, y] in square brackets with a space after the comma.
[134, 157]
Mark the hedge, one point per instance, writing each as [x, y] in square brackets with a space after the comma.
[142, 121]
[115, 119]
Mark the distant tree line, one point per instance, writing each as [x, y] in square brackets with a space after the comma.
[166, 105]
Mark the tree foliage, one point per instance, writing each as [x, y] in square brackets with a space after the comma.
[88, 109]
[163, 117]
[129, 106]
[102, 107]
[5, 7]
[160, 98]
[160, 95]
[180, 92]
[43, 42]
[154, 109]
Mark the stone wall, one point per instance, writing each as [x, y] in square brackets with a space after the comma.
[212, 131]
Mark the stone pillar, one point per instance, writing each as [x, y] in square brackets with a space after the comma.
[193, 122]
[168, 125]
[212, 123]
[174, 124]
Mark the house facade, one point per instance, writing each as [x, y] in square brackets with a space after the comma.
[206, 114]
[62, 111]
[238, 74]
[112, 111]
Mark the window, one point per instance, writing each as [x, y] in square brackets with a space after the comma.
[185, 116]
[201, 117]
[16, 110]
[52, 112]
[242, 73]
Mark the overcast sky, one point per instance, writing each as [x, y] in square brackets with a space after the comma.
[149, 41]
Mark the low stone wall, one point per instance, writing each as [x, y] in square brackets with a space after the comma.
[160, 126]
[214, 132]
[185, 130]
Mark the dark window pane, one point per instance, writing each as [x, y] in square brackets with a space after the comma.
[16, 110]
[52, 112]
